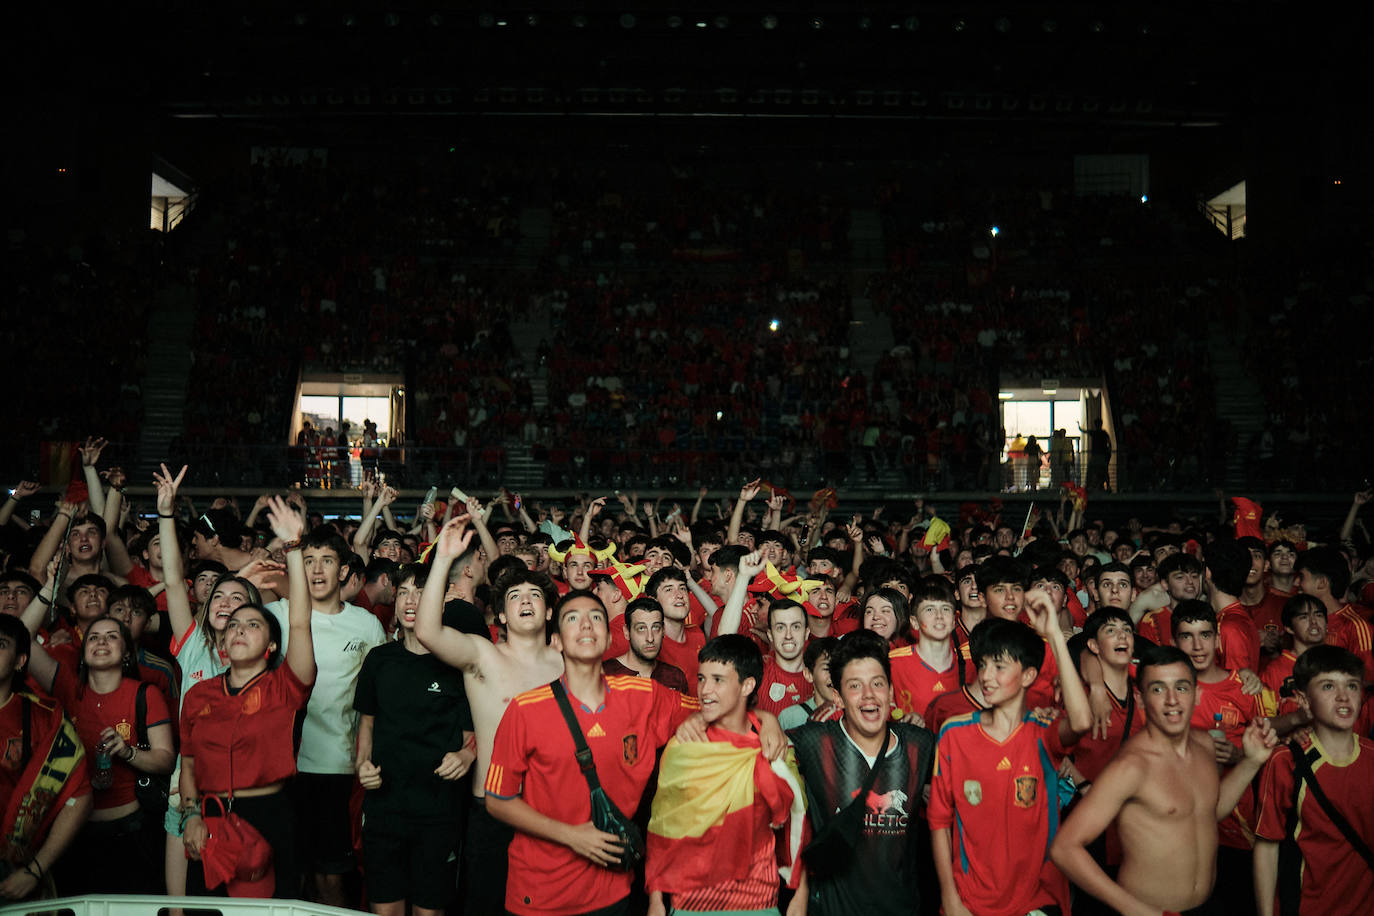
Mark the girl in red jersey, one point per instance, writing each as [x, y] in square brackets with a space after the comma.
[236, 729]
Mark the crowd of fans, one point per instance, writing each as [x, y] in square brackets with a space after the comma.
[183, 642]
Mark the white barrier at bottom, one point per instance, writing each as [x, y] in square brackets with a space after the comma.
[152, 905]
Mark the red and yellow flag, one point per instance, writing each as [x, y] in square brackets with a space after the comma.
[701, 828]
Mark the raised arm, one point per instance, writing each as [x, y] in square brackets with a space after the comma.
[116, 551]
[173, 574]
[90, 457]
[746, 493]
[588, 516]
[52, 539]
[288, 526]
[1348, 526]
[24, 489]
[696, 507]
[459, 650]
[362, 538]
[1045, 620]
[733, 612]
[479, 524]
[41, 665]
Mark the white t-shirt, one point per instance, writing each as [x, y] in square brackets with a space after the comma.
[341, 641]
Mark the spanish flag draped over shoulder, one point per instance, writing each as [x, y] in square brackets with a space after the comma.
[701, 828]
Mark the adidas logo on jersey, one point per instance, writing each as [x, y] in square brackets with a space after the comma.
[596, 731]
[940, 686]
[1004, 764]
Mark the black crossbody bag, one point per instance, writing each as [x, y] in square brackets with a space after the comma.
[831, 852]
[606, 816]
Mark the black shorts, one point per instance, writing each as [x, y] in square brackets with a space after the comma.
[324, 827]
[418, 864]
[485, 862]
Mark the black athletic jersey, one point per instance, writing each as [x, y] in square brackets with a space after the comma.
[882, 879]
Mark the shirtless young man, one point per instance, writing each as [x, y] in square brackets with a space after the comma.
[1163, 791]
[493, 673]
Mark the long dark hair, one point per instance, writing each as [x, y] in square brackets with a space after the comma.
[128, 666]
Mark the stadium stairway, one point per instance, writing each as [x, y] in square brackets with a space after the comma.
[1239, 400]
[523, 469]
[171, 322]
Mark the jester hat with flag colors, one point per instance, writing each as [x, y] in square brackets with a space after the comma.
[1247, 518]
[781, 586]
[580, 549]
[629, 579]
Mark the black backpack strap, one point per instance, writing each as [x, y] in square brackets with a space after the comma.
[584, 753]
[1303, 768]
[141, 716]
[26, 731]
[1130, 714]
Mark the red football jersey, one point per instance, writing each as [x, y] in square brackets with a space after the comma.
[1156, 627]
[948, 705]
[1347, 629]
[684, 654]
[1091, 755]
[781, 689]
[534, 758]
[255, 725]
[1236, 709]
[1000, 801]
[915, 684]
[1335, 880]
[93, 712]
[1238, 642]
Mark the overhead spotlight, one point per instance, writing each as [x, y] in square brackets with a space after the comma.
[502, 23]
[911, 23]
[1002, 24]
[627, 20]
[1145, 198]
[722, 22]
[1049, 26]
[770, 22]
[994, 231]
[579, 21]
[817, 23]
[674, 22]
[701, 24]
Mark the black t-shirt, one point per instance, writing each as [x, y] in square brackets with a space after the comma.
[420, 713]
[883, 879]
[462, 615]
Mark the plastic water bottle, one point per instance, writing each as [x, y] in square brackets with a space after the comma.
[1216, 731]
[102, 777]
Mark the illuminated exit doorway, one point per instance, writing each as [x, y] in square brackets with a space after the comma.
[1047, 426]
[343, 423]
